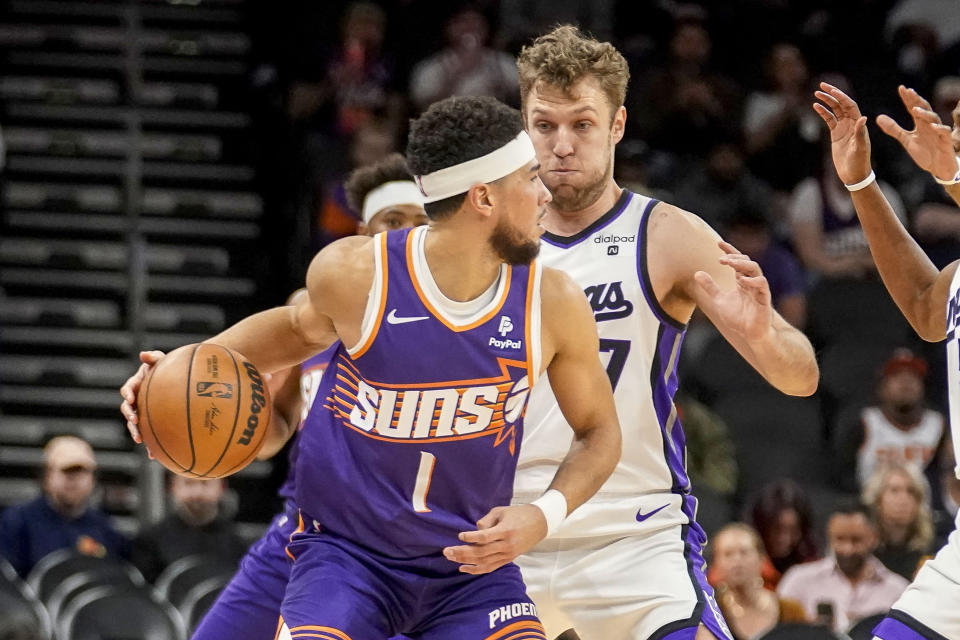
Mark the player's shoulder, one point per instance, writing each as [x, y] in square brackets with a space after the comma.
[670, 220]
[346, 264]
[558, 286]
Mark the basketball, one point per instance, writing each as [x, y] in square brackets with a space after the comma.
[204, 411]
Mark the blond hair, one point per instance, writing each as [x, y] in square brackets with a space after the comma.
[921, 529]
[564, 56]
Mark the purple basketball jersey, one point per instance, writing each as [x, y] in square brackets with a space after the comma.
[422, 423]
[311, 372]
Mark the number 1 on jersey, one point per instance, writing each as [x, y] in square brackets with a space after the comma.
[422, 487]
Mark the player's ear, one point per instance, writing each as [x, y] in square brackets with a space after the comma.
[619, 124]
[362, 228]
[482, 198]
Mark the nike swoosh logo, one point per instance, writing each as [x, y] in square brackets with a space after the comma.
[394, 319]
[643, 516]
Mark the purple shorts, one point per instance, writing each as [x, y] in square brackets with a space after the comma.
[249, 606]
[338, 590]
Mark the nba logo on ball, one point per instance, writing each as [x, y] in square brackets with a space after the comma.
[214, 390]
[516, 400]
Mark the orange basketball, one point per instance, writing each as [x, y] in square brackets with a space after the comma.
[204, 411]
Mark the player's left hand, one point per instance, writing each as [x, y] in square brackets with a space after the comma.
[747, 309]
[849, 141]
[501, 535]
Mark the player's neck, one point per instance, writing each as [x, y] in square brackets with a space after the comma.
[462, 267]
[568, 223]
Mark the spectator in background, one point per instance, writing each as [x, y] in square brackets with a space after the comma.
[719, 187]
[947, 486]
[736, 571]
[357, 83]
[196, 525]
[782, 132]
[749, 231]
[333, 217]
[850, 583]
[783, 516]
[936, 220]
[63, 517]
[685, 106]
[467, 66]
[899, 498]
[899, 429]
[826, 231]
[523, 20]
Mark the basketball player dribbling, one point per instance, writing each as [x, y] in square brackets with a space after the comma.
[628, 563]
[411, 463]
[928, 298]
[249, 606]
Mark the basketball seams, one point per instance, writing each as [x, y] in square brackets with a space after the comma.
[236, 415]
[193, 453]
[146, 408]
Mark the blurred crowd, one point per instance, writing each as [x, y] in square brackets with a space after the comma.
[719, 117]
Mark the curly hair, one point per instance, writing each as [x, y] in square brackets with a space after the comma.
[455, 130]
[564, 56]
[365, 179]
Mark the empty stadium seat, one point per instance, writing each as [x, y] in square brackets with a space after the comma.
[119, 613]
[200, 598]
[59, 565]
[178, 579]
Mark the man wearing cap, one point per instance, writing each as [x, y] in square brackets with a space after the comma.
[62, 518]
[899, 428]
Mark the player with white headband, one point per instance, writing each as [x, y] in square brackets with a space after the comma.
[249, 607]
[407, 456]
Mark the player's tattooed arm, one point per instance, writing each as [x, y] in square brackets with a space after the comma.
[914, 283]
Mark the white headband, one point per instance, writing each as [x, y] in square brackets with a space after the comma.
[493, 166]
[390, 194]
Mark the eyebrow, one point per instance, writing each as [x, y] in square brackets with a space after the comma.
[535, 168]
[537, 110]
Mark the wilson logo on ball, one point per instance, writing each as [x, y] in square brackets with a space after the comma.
[257, 402]
[214, 390]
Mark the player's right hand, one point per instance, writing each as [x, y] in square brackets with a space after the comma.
[929, 143]
[130, 389]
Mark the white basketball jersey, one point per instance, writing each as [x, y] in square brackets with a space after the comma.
[953, 363]
[884, 443]
[639, 346]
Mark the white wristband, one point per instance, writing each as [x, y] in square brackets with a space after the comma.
[553, 504]
[863, 184]
[954, 180]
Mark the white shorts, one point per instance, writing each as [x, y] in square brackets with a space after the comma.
[634, 587]
[930, 607]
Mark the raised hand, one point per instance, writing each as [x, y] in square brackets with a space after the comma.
[501, 535]
[849, 142]
[747, 309]
[929, 142]
[130, 389]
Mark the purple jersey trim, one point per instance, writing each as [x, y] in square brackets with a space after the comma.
[565, 242]
[901, 626]
[642, 270]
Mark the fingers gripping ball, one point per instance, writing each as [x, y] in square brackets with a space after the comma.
[204, 411]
